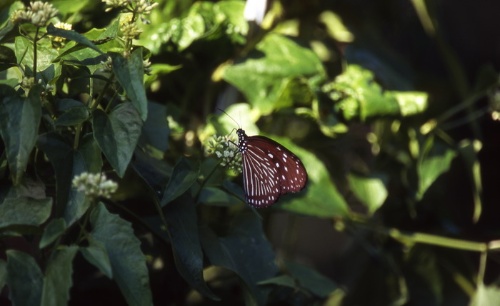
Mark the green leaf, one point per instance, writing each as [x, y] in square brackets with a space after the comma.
[19, 127]
[245, 251]
[24, 51]
[24, 279]
[370, 191]
[435, 160]
[52, 231]
[282, 280]
[72, 35]
[73, 116]
[320, 197]
[486, 296]
[58, 280]
[311, 280]
[128, 264]
[130, 73]
[117, 134]
[3, 274]
[97, 255]
[181, 217]
[276, 61]
[183, 177]
[155, 132]
[357, 95]
[24, 211]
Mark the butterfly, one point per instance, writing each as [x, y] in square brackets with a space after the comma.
[269, 170]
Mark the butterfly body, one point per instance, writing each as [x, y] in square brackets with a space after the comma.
[269, 170]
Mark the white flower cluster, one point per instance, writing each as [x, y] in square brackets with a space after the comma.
[94, 185]
[38, 13]
[225, 149]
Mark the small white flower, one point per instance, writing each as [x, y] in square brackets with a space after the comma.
[94, 185]
[255, 10]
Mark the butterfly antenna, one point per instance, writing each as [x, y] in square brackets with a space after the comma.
[229, 117]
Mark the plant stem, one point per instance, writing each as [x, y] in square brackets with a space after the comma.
[35, 40]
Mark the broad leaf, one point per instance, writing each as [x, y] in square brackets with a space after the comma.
[129, 72]
[72, 35]
[275, 63]
[97, 255]
[53, 230]
[3, 273]
[58, 276]
[128, 263]
[24, 279]
[117, 134]
[19, 127]
[370, 191]
[311, 280]
[486, 296]
[183, 232]
[435, 160]
[24, 211]
[183, 177]
[245, 251]
[320, 197]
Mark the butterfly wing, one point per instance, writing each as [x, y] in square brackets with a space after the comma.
[270, 170]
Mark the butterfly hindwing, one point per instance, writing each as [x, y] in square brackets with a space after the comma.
[269, 170]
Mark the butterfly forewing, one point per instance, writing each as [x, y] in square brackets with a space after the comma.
[269, 170]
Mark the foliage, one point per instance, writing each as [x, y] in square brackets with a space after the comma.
[103, 93]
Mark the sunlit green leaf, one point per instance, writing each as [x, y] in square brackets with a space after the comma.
[320, 197]
[128, 263]
[486, 296]
[276, 61]
[434, 161]
[371, 191]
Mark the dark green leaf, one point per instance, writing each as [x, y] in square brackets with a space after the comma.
[117, 134]
[19, 127]
[3, 273]
[245, 251]
[72, 35]
[130, 72]
[97, 255]
[182, 223]
[155, 132]
[24, 279]
[73, 116]
[24, 211]
[183, 177]
[311, 280]
[52, 231]
[124, 250]
[58, 280]
[218, 197]
[86, 158]
[282, 280]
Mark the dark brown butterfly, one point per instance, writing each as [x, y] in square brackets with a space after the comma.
[269, 170]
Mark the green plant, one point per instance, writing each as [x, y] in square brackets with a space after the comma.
[108, 159]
